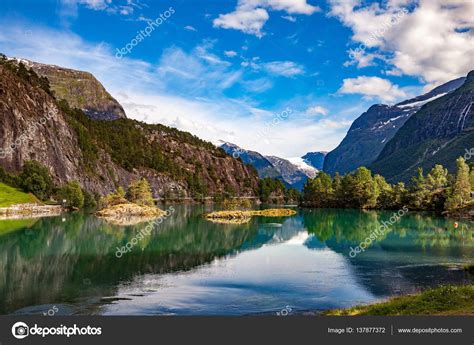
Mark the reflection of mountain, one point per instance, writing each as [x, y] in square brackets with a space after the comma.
[54, 259]
[74, 261]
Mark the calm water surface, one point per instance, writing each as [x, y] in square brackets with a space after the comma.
[188, 266]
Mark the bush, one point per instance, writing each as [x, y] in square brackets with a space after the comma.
[35, 179]
[73, 195]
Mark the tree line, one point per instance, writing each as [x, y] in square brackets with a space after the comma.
[437, 191]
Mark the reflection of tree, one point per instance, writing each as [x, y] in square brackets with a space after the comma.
[355, 226]
[55, 258]
[394, 263]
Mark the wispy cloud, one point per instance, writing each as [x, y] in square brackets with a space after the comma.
[185, 89]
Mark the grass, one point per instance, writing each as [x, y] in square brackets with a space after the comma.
[11, 196]
[444, 300]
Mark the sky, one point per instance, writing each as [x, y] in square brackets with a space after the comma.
[281, 77]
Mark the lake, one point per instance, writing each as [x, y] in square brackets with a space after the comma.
[69, 265]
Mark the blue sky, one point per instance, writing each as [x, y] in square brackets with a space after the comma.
[229, 69]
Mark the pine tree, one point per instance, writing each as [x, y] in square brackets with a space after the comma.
[418, 191]
[459, 195]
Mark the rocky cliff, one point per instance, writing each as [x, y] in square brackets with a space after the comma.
[103, 155]
[80, 89]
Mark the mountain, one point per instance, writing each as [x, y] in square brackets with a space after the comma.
[294, 175]
[293, 172]
[102, 155]
[80, 89]
[315, 159]
[371, 131]
[263, 166]
[441, 131]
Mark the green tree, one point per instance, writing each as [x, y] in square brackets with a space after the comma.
[72, 193]
[270, 189]
[318, 192]
[35, 178]
[419, 191]
[364, 189]
[115, 198]
[139, 192]
[384, 192]
[459, 194]
[399, 195]
[436, 183]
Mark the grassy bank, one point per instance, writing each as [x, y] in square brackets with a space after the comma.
[445, 300]
[11, 196]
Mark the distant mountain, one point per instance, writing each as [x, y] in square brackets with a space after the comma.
[370, 132]
[294, 175]
[80, 89]
[263, 166]
[439, 132]
[293, 172]
[315, 159]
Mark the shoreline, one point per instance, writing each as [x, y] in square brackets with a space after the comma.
[20, 211]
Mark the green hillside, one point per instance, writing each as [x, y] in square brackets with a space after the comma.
[11, 196]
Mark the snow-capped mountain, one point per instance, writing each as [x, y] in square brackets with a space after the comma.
[371, 131]
[293, 172]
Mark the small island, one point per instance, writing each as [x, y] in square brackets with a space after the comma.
[235, 216]
[129, 208]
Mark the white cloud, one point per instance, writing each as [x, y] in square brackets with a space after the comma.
[284, 68]
[170, 92]
[433, 40]
[362, 58]
[372, 87]
[190, 28]
[230, 53]
[251, 15]
[249, 21]
[317, 110]
[289, 18]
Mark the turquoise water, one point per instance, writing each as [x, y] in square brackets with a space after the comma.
[189, 266]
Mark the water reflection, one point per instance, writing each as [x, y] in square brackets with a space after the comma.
[191, 266]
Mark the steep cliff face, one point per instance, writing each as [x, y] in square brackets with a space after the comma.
[370, 132]
[33, 126]
[441, 131]
[80, 89]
